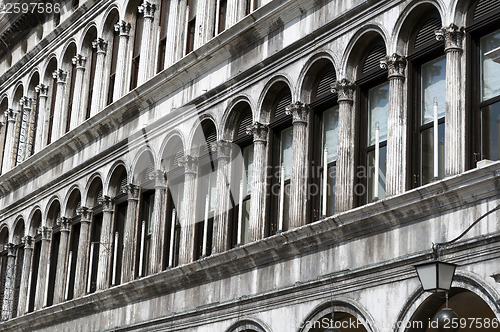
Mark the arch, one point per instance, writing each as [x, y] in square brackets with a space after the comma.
[19, 230]
[459, 11]
[109, 18]
[172, 150]
[229, 115]
[33, 81]
[18, 93]
[143, 164]
[69, 47]
[85, 33]
[4, 235]
[361, 40]
[4, 98]
[248, 325]
[93, 190]
[407, 21]
[273, 84]
[53, 212]
[340, 305]
[198, 137]
[35, 221]
[115, 176]
[239, 112]
[313, 64]
[72, 201]
[130, 9]
[50, 67]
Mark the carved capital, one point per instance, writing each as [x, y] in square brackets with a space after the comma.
[123, 28]
[344, 89]
[299, 112]
[259, 132]
[42, 89]
[79, 61]
[46, 233]
[11, 249]
[10, 115]
[395, 64]
[223, 149]
[133, 191]
[100, 45]
[160, 178]
[85, 214]
[147, 9]
[63, 223]
[60, 75]
[190, 164]
[26, 103]
[452, 36]
[107, 204]
[28, 242]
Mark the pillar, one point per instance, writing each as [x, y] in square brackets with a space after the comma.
[158, 223]
[257, 221]
[298, 183]
[62, 260]
[58, 127]
[81, 268]
[454, 160]
[397, 129]
[10, 276]
[105, 247]
[41, 128]
[172, 34]
[222, 204]
[129, 240]
[43, 271]
[97, 86]
[188, 215]
[76, 111]
[344, 187]
[8, 156]
[145, 64]
[121, 60]
[25, 276]
[22, 151]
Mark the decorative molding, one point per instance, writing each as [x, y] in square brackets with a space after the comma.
[123, 28]
[259, 131]
[453, 37]
[79, 61]
[299, 112]
[42, 89]
[190, 164]
[60, 75]
[344, 89]
[395, 64]
[100, 45]
[147, 9]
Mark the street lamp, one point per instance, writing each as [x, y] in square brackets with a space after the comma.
[436, 276]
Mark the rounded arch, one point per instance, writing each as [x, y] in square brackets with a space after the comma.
[407, 21]
[53, 212]
[72, 201]
[310, 69]
[116, 176]
[18, 93]
[239, 112]
[171, 151]
[343, 309]
[459, 11]
[90, 29]
[362, 40]
[19, 230]
[142, 166]
[110, 18]
[69, 50]
[93, 191]
[129, 10]
[4, 235]
[268, 96]
[33, 81]
[248, 325]
[35, 221]
[229, 116]
[50, 66]
[203, 132]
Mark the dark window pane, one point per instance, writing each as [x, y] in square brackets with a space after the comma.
[490, 65]
[427, 153]
[490, 128]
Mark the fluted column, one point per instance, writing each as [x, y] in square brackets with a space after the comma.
[25, 276]
[454, 136]
[8, 154]
[105, 247]
[232, 15]
[62, 258]
[344, 187]
[298, 183]
[148, 10]
[43, 271]
[396, 170]
[221, 220]
[173, 27]
[41, 127]
[203, 32]
[188, 214]
[82, 258]
[57, 126]
[129, 243]
[76, 111]
[257, 223]
[121, 60]
[158, 223]
[101, 47]
[25, 114]
[10, 276]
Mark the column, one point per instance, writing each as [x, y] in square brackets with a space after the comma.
[203, 22]
[82, 258]
[97, 86]
[233, 11]
[454, 136]
[172, 34]
[397, 129]
[188, 216]
[222, 203]
[105, 247]
[344, 187]
[57, 126]
[257, 221]
[8, 155]
[22, 152]
[148, 10]
[129, 242]
[10, 276]
[62, 259]
[77, 115]
[43, 271]
[41, 128]
[25, 276]
[158, 223]
[298, 183]
[121, 60]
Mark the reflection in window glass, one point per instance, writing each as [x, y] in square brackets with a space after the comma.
[378, 101]
[330, 132]
[381, 174]
[248, 160]
[490, 65]
[490, 129]
[427, 153]
[286, 151]
[433, 86]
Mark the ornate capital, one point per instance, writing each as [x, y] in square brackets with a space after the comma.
[452, 36]
[79, 61]
[395, 64]
[147, 9]
[10, 115]
[189, 163]
[60, 76]
[344, 89]
[11, 249]
[100, 45]
[259, 132]
[85, 214]
[299, 112]
[28, 242]
[107, 204]
[223, 149]
[159, 177]
[63, 222]
[123, 28]
[45, 232]
[26, 103]
[133, 191]
[42, 89]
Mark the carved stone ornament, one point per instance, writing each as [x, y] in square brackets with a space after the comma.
[452, 36]
[85, 213]
[28, 242]
[189, 163]
[133, 191]
[299, 112]
[395, 64]
[60, 75]
[123, 28]
[79, 61]
[42, 89]
[344, 89]
[63, 223]
[223, 149]
[100, 45]
[148, 9]
[259, 132]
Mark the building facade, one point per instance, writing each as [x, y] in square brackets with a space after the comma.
[258, 165]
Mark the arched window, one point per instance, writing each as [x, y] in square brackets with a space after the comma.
[70, 68]
[18, 269]
[36, 223]
[4, 239]
[18, 146]
[34, 131]
[52, 216]
[51, 82]
[74, 203]
[94, 200]
[119, 191]
[112, 37]
[90, 54]
[4, 105]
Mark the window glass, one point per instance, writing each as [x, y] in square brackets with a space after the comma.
[286, 151]
[378, 101]
[381, 174]
[433, 86]
[330, 132]
[248, 160]
[212, 190]
[490, 65]
[490, 129]
[427, 153]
